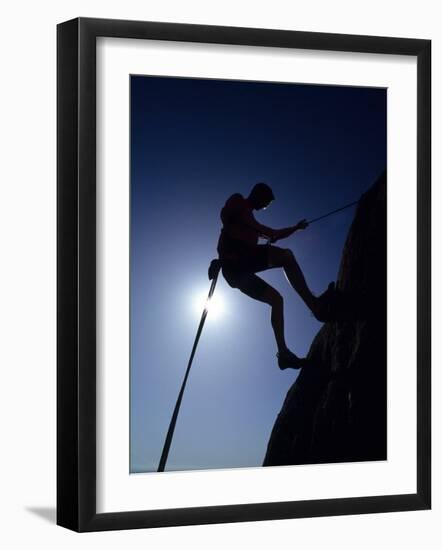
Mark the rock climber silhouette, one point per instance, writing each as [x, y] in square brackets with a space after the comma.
[241, 257]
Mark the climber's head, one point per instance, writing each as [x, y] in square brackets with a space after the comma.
[261, 196]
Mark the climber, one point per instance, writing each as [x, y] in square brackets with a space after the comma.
[241, 257]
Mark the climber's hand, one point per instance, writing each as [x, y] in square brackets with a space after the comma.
[287, 231]
[302, 224]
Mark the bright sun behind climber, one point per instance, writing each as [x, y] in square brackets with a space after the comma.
[216, 306]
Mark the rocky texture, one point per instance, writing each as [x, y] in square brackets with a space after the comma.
[336, 409]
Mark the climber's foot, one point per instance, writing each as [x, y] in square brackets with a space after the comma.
[288, 360]
[324, 310]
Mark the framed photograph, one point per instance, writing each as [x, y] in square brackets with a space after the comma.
[243, 274]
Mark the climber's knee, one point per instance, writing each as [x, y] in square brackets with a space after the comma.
[280, 257]
[273, 298]
[287, 256]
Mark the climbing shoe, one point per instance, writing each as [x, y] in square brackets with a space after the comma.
[288, 360]
[324, 311]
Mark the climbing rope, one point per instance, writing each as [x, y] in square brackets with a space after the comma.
[271, 241]
[213, 275]
[333, 212]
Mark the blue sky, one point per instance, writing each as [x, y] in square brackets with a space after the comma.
[194, 142]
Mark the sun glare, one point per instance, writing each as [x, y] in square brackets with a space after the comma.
[215, 306]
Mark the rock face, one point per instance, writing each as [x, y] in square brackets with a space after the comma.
[336, 411]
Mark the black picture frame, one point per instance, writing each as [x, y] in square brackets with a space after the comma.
[76, 273]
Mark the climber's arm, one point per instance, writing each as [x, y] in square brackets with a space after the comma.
[262, 230]
[287, 231]
[273, 234]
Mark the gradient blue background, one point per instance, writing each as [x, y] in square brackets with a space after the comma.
[194, 142]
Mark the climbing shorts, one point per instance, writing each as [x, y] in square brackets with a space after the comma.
[240, 271]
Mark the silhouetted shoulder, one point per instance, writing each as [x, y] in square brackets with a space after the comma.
[235, 199]
[234, 205]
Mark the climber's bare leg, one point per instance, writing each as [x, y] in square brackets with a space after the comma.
[260, 290]
[284, 257]
[256, 288]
